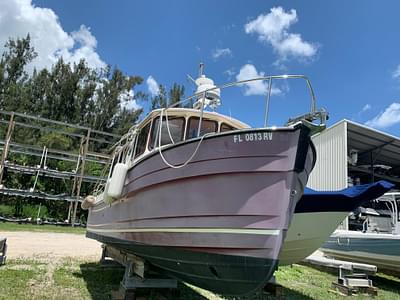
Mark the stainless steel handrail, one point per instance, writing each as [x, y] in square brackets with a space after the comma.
[311, 116]
[130, 139]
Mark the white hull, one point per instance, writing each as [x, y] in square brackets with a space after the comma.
[307, 232]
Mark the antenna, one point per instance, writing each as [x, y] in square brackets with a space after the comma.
[201, 69]
[191, 79]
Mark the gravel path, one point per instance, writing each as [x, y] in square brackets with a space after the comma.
[23, 244]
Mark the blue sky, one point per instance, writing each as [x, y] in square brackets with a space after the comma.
[349, 49]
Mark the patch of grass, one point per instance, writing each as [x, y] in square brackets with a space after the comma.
[28, 211]
[91, 279]
[16, 282]
[40, 228]
[77, 279]
[303, 282]
[390, 284]
[6, 210]
[31, 211]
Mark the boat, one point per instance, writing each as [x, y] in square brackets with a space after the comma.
[327, 209]
[377, 243]
[202, 196]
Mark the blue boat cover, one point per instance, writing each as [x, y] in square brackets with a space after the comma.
[344, 200]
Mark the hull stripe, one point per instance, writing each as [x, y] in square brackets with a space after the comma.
[191, 230]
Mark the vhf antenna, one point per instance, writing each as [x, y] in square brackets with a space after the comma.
[201, 73]
[201, 69]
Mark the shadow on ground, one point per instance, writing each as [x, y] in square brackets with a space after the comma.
[387, 283]
[285, 293]
[101, 280]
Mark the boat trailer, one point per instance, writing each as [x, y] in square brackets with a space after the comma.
[138, 274]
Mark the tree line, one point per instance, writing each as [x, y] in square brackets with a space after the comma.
[69, 92]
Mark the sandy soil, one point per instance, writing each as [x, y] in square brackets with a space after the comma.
[48, 244]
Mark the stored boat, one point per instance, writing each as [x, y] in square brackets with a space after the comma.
[376, 244]
[319, 213]
[203, 197]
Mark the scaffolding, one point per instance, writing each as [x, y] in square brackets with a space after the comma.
[88, 138]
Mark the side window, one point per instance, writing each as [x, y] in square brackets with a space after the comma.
[226, 127]
[142, 139]
[206, 127]
[176, 128]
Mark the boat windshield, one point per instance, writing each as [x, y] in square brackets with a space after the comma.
[226, 127]
[170, 133]
[206, 126]
[141, 140]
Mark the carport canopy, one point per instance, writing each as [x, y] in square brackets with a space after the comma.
[378, 153]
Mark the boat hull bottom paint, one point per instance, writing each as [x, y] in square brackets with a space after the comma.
[227, 274]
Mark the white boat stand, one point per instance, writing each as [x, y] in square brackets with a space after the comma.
[134, 277]
[350, 283]
[353, 277]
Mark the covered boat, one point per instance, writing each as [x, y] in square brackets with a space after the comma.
[203, 197]
[378, 242]
[319, 213]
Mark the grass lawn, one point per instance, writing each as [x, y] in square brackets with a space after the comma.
[74, 279]
[303, 282]
[40, 228]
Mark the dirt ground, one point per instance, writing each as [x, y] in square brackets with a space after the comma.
[48, 244]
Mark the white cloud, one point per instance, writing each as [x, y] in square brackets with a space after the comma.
[20, 17]
[258, 87]
[366, 107]
[126, 96]
[273, 28]
[128, 101]
[134, 105]
[221, 52]
[230, 72]
[388, 118]
[396, 73]
[152, 86]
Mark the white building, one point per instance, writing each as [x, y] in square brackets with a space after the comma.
[350, 153]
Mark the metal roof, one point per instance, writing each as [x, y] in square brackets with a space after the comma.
[385, 148]
[375, 148]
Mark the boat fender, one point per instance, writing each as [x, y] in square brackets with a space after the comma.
[88, 202]
[117, 180]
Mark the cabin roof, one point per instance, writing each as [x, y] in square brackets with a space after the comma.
[180, 111]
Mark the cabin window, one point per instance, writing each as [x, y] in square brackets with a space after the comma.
[142, 139]
[176, 128]
[226, 127]
[206, 127]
